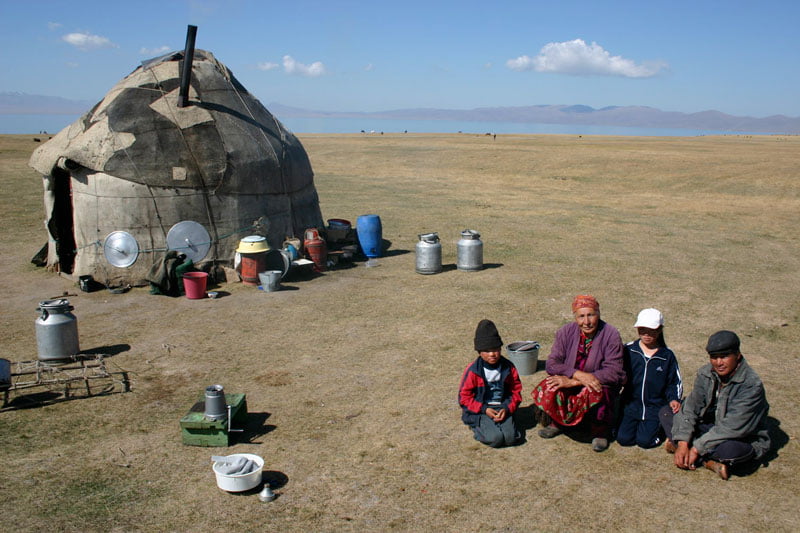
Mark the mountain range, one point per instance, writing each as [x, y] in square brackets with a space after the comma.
[625, 116]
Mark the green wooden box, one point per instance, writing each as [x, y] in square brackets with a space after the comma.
[197, 430]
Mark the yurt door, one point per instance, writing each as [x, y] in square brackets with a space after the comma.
[60, 224]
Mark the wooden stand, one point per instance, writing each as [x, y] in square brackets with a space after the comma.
[197, 430]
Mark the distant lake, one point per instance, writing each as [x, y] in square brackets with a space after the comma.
[15, 124]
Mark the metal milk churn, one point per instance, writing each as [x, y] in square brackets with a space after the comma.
[429, 254]
[469, 251]
[56, 330]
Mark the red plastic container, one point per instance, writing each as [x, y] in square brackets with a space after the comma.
[316, 249]
[195, 284]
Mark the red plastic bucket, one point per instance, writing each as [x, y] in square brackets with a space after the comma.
[195, 284]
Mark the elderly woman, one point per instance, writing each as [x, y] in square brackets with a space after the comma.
[585, 371]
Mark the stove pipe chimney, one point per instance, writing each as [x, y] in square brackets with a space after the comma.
[186, 66]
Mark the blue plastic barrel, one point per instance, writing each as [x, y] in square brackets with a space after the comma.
[369, 231]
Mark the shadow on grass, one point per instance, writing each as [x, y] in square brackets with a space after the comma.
[393, 253]
[116, 385]
[527, 418]
[272, 478]
[778, 437]
[108, 351]
[256, 427]
[450, 267]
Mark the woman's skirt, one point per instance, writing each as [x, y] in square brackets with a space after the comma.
[566, 407]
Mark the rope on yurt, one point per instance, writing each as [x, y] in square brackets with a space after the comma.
[282, 160]
[245, 229]
[204, 192]
[141, 178]
[206, 200]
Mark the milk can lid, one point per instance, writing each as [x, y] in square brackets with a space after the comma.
[59, 304]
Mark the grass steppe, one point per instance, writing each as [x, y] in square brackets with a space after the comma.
[351, 377]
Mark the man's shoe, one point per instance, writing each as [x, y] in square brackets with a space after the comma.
[599, 444]
[720, 469]
[549, 432]
[670, 446]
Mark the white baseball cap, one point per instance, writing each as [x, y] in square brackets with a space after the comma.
[649, 318]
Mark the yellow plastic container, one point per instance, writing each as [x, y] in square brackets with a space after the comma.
[253, 244]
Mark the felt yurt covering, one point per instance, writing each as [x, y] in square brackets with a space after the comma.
[138, 163]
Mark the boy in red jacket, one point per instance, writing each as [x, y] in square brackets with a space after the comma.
[490, 391]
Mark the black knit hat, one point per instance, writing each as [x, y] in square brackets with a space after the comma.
[486, 336]
[722, 343]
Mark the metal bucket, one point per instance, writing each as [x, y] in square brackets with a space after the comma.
[469, 251]
[524, 355]
[56, 331]
[216, 407]
[270, 280]
[429, 254]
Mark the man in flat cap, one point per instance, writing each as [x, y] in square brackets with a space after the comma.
[723, 422]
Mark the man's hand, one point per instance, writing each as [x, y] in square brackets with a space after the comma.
[685, 457]
[498, 415]
[675, 405]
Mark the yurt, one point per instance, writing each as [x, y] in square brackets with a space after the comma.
[159, 164]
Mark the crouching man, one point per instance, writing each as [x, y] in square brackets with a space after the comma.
[722, 423]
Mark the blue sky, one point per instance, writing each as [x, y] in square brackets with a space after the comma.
[741, 58]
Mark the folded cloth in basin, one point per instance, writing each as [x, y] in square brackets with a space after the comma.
[235, 466]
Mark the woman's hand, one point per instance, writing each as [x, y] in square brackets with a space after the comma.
[588, 380]
[675, 405]
[559, 382]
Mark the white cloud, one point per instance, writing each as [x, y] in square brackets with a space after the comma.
[158, 51]
[369, 67]
[53, 25]
[313, 70]
[72, 64]
[577, 58]
[267, 65]
[87, 41]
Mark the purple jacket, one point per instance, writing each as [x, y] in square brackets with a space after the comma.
[605, 357]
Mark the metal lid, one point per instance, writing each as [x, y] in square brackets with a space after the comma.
[121, 249]
[60, 304]
[470, 234]
[190, 238]
[429, 237]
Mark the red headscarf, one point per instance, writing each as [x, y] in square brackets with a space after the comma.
[585, 300]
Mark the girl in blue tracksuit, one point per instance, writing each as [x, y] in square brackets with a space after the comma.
[654, 381]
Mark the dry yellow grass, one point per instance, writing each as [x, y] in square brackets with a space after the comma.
[351, 378]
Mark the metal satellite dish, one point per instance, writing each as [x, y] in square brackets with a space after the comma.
[190, 238]
[121, 249]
